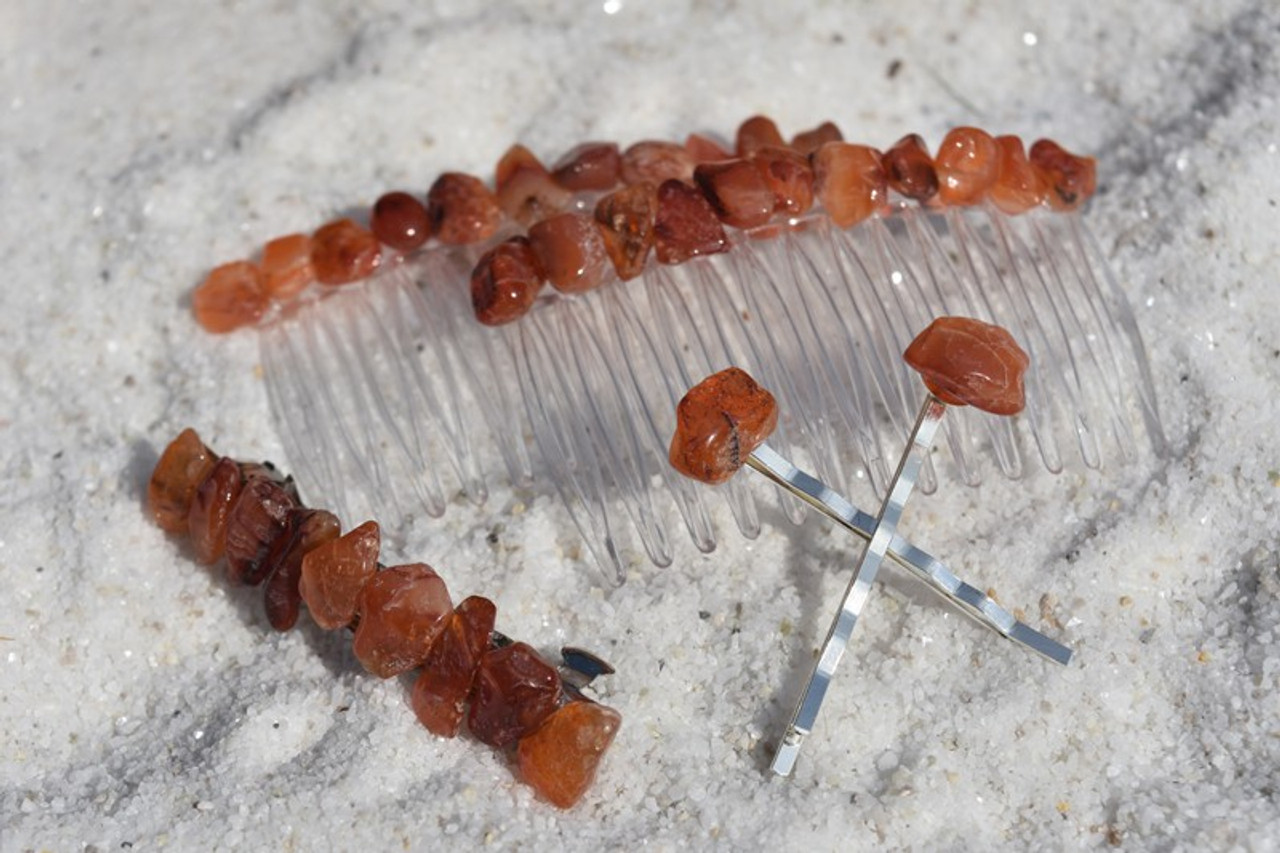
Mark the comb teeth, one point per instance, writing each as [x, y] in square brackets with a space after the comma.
[381, 386]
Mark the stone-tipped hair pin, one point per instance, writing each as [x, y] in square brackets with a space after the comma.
[722, 424]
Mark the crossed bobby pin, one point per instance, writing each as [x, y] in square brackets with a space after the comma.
[722, 424]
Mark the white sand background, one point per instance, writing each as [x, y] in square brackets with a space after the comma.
[145, 705]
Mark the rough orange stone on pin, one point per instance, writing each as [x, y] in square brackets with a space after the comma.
[343, 252]
[282, 597]
[755, 133]
[286, 266]
[210, 508]
[402, 611]
[737, 191]
[656, 162]
[334, 573]
[790, 177]
[809, 141]
[849, 181]
[515, 159]
[591, 166]
[685, 225]
[233, 295]
[626, 218]
[968, 163]
[909, 169]
[514, 692]
[400, 221]
[704, 149]
[560, 759]
[182, 467]
[1018, 187]
[1072, 180]
[258, 530]
[719, 423]
[462, 210]
[530, 195]
[966, 362]
[505, 282]
[570, 251]
[439, 696]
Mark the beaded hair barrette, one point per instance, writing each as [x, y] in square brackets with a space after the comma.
[393, 353]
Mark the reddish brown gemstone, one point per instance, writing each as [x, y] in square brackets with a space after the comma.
[967, 362]
[737, 191]
[516, 159]
[310, 529]
[462, 210]
[286, 266]
[909, 169]
[559, 760]
[626, 223]
[183, 466]
[439, 695]
[334, 573]
[530, 195]
[571, 252]
[233, 295]
[210, 508]
[811, 140]
[849, 180]
[402, 611]
[514, 693]
[1072, 180]
[704, 149]
[968, 162]
[590, 166]
[505, 282]
[789, 176]
[400, 221]
[719, 423]
[343, 252]
[1018, 187]
[656, 162]
[755, 133]
[685, 225]
[258, 530]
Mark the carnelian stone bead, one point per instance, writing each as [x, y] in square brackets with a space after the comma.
[439, 696]
[849, 181]
[258, 530]
[737, 191]
[530, 195]
[514, 693]
[505, 282]
[626, 218]
[462, 210]
[790, 177]
[910, 170]
[685, 225]
[719, 422]
[233, 295]
[570, 251]
[591, 166]
[968, 163]
[809, 141]
[286, 266]
[516, 159]
[210, 508]
[1018, 187]
[656, 162]
[283, 599]
[343, 252]
[1071, 179]
[400, 221]
[755, 133]
[704, 149]
[969, 362]
[560, 759]
[334, 573]
[402, 611]
[182, 467]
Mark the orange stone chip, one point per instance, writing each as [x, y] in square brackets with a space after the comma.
[334, 573]
[591, 166]
[626, 219]
[968, 164]
[232, 296]
[286, 266]
[439, 696]
[571, 252]
[516, 159]
[530, 195]
[967, 362]
[559, 760]
[183, 466]
[704, 149]
[258, 530]
[400, 221]
[756, 133]
[210, 508]
[282, 597]
[402, 611]
[719, 423]
[462, 210]
[809, 141]
[343, 252]
[685, 225]
[1018, 187]
[505, 282]
[515, 691]
[656, 162]
[737, 191]
[909, 169]
[790, 177]
[1072, 180]
[849, 181]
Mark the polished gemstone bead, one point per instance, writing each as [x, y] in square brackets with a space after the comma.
[969, 362]
[737, 191]
[530, 195]
[334, 573]
[400, 221]
[439, 696]
[849, 181]
[258, 530]
[462, 210]
[560, 759]
[656, 162]
[343, 252]
[310, 529]
[1018, 187]
[909, 169]
[626, 219]
[516, 159]
[809, 141]
[286, 266]
[182, 467]
[1072, 180]
[591, 166]
[704, 149]
[968, 163]
[210, 508]
[789, 176]
[685, 225]
[233, 295]
[570, 251]
[402, 611]
[720, 421]
[505, 282]
[514, 693]
[755, 133]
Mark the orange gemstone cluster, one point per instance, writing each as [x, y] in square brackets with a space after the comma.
[600, 211]
[402, 616]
